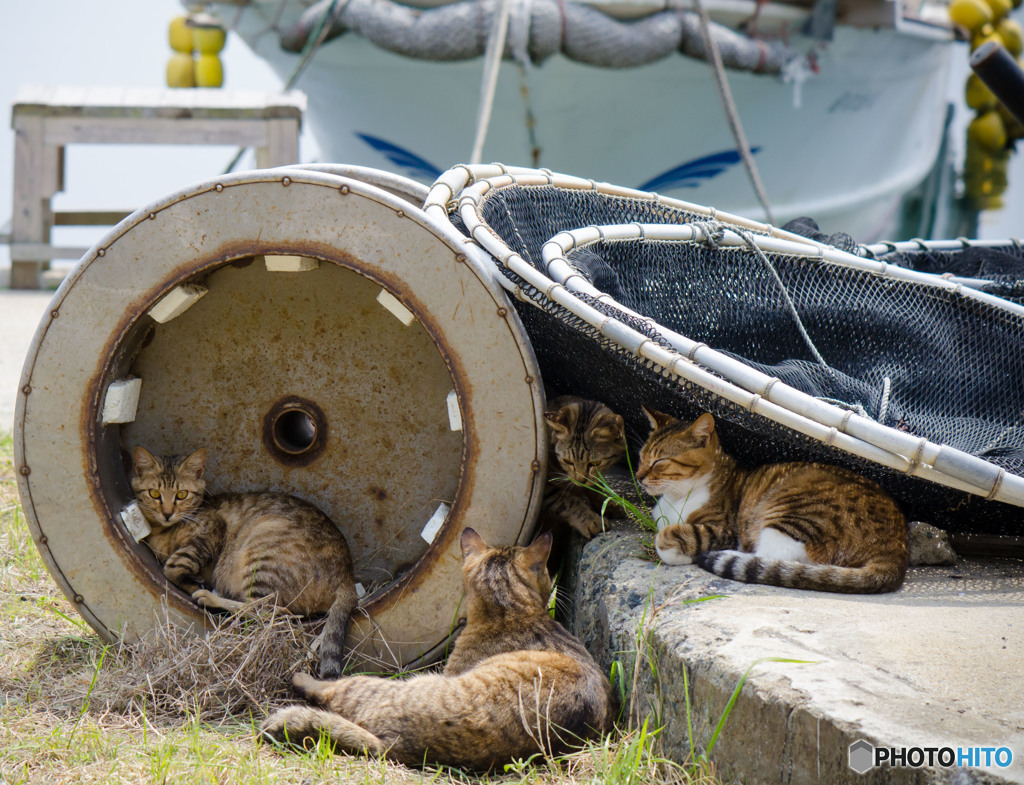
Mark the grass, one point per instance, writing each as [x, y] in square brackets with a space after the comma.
[172, 708]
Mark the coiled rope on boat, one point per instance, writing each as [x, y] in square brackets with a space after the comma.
[459, 31]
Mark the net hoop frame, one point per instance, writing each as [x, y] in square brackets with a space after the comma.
[464, 188]
[880, 250]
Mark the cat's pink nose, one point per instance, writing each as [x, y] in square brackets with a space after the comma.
[641, 472]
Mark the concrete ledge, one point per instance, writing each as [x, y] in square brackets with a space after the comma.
[939, 663]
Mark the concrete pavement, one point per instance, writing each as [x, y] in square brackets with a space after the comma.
[20, 314]
[938, 664]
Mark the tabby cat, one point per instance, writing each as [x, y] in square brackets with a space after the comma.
[517, 683]
[801, 525]
[246, 545]
[586, 439]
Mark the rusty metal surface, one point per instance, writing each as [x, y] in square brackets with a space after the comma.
[211, 375]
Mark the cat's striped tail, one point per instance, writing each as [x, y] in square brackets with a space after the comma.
[879, 575]
[332, 640]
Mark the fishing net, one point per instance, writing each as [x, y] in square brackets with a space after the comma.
[801, 351]
[996, 267]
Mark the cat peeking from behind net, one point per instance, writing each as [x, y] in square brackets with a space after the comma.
[516, 683]
[230, 548]
[585, 440]
[800, 525]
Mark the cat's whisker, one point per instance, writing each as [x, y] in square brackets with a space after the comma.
[564, 604]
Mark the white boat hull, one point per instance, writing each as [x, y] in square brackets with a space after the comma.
[867, 129]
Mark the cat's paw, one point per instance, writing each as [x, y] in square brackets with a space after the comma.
[181, 568]
[589, 526]
[673, 557]
[669, 552]
[214, 602]
[205, 598]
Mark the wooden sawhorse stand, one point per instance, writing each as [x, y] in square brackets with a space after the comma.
[45, 119]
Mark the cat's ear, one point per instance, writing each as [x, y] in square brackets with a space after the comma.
[556, 421]
[658, 419]
[195, 464]
[143, 461]
[472, 543]
[609, 426]
[703, 427]
[535, 555]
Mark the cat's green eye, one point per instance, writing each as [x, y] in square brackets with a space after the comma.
[154, 493]
[181, 495]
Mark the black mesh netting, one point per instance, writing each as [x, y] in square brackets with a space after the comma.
[1002, 266]
[912, 357]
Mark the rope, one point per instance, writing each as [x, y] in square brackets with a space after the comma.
[713, 233]
[883, 404]
[313, 43]
[492, 64]
[531, 118]
[519, 44]
[731, 114]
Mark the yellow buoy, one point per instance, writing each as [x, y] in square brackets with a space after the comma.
[971, 14]
[978, 162]
[1012, 34]
[1014, 127]
[181, 70]
[977, 94]
[984, 186]
[987, 130]
[985, 34]
[994, 203]
[208, 39]
[999, 179]
[210, 71]
[1000, 8]
[179, 35]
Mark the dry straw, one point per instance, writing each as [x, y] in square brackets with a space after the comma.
[242, 667]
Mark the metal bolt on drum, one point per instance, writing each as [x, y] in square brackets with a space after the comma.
[322, 337]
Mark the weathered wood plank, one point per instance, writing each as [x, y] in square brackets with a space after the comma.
[30, 207]
[47, 118]
[281, 147]
[153, 130]
[89, 217]
[117, 103]
[33, 253]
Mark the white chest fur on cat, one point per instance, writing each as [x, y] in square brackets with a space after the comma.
[678, 504]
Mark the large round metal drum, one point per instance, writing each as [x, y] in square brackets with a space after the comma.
[319, 336]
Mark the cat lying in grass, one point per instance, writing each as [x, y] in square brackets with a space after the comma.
[516, 684]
